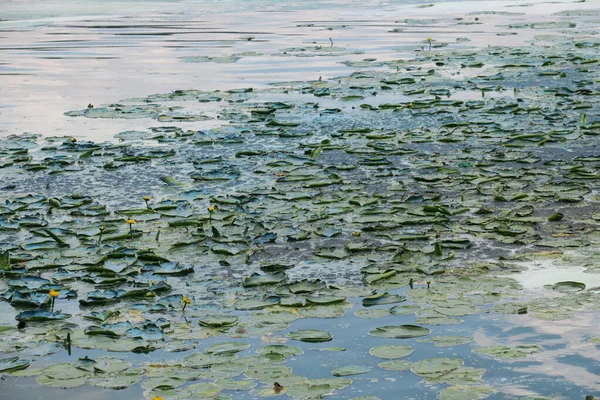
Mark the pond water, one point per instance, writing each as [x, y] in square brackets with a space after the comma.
[247, 199]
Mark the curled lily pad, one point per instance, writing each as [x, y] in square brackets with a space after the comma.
[13, 364]
[400, 331]
[310, 335]
[168, 268]
[218, 321]
[267, 279]
[324, 299]
[568, 287]
[306, 286]
[41, 315]
[382, 298]
[391, 351]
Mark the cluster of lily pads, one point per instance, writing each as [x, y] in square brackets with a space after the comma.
[404, 192]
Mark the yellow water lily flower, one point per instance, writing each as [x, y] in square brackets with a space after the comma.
[130, 221]
[186, 300]
[101, 228]
[212, 208]
[53, 293]
[73, 140]
[157, 398]
[146, 198]
[428, 39]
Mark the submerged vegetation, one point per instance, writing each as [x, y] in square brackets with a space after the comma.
[368, 224]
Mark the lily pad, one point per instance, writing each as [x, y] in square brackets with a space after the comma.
[228, 347]
[436, 367]
[568, 287]
[310, 335]
[400, 331]
[391, 351]
[508, 353]
[350, 370]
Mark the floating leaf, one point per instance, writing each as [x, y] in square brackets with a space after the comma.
[395, 365]
[447, 341]
[436, 367]
[568, 287]
[400, 331]
[504, 352]
[350, 370]
[13, 364]
[391, 351]
[228, 347]
[310, 335]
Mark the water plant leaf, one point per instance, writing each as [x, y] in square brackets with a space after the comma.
[41, 315]
[460, 392]
[350, 370]
[505, 352]
[12, 364]
[395, 365]
[391, 351]
[568, 287]
[382, 298]
[266, 279]
[310, 335]
[436, 367]
[227, 347]
[400, 331]
[447, 341]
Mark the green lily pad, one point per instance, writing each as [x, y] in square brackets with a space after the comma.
[461, 392]
[391, 351]
[122, 380]
[447, 341]
[266, 279]
[395, 365]
[382, 298]
[13, 364]
[568, 287]
[372, 313]
[400, 331]
[310, 335]
[504, 352]
[350, 370]
[436, 367]
[41, 315]
[228, 347]
[218, 321]
[286, 351]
